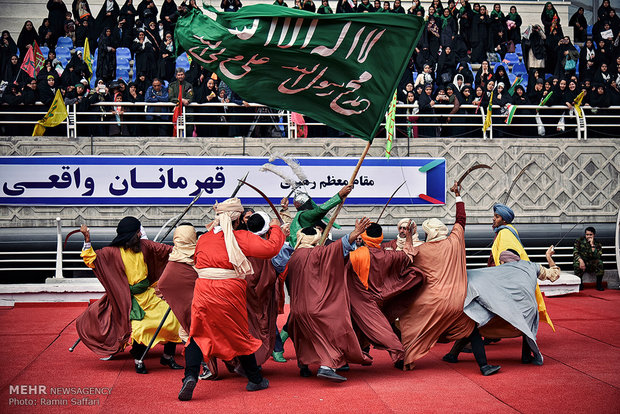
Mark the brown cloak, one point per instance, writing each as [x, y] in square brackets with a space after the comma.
[177, 286]
[262, 306]
[391, 283]
[105, 327]
[436, 311]
[320, 320]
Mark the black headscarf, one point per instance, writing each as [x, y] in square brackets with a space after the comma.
[126, 229]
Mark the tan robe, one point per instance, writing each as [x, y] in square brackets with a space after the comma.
[436, 311]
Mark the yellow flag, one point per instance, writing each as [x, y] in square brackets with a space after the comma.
[54, 116]
[487, 120]
[88, 58]
[577, 103]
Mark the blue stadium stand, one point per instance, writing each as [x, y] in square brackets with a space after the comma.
[123, 52]
[519, 69]
[64, 42]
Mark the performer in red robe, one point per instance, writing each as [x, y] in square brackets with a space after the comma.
[381, 281]
[219, 326]
[320, 319]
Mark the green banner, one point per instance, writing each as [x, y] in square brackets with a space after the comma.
[339, 69]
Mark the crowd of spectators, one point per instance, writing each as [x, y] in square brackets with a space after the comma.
[466, 55]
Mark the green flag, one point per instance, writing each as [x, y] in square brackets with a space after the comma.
[339, 69]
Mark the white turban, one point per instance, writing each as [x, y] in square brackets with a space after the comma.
[228, 211]
[435, 230]
[403, 222]
[307, 241]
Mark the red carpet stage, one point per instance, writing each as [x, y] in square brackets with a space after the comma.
[581, 373]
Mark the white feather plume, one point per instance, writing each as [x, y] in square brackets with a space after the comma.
[293, 163]
[272, 168]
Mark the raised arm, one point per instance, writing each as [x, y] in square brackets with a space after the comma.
[460, 206]
[553, 273]
[309, 217]
[88, 254]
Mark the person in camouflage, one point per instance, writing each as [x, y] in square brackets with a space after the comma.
[587, 257]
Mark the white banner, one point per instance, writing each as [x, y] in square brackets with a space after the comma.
[175, 181]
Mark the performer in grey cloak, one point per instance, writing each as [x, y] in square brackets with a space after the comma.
[502, 301]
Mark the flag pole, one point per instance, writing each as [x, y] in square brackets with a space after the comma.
[333, 218]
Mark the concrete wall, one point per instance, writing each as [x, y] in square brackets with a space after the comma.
[569, 181]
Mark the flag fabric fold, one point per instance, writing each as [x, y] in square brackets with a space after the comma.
[178, 110]
[33, 61]
[487, 119]
[389, 126]
[339, 69]
[55, 115]
[577, 103]
[510, 112]
[88, 58]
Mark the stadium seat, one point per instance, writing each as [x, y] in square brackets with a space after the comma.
[63, 60]
[122, 63]
[64, 42]
[63, 53]
[494, 66]
[45, 50]
[525, 80]
[123, 74]
[578, 48]
[518, 49]
[123, 52]
[512, 58]
[183, 62]
[519, 69]
[511, 78]
[589, 31]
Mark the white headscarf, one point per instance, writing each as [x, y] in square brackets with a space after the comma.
[435, 230]
[228, 211]
[307, 241]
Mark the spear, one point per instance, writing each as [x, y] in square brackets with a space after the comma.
[355, 171]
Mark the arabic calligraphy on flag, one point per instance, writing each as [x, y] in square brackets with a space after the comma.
[340, 69]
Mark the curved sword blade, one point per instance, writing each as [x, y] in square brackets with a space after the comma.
[275, 211]
[388, 202]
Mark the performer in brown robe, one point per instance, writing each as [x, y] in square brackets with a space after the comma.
[179, 277]
[128, 270]
[381, 280]
[320, 320]
[262, 294]
[436, 312]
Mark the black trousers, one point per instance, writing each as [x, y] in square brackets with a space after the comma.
[193, 358]
[137, 350]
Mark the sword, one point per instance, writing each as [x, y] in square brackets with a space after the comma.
[181, 216]
[240, 184]
[275, 211]
[473, 168]
[515, 180]
[566, 234]
[388, 202]
[163, 319]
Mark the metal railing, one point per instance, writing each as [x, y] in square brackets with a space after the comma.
[243, 121]
[59, 264]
